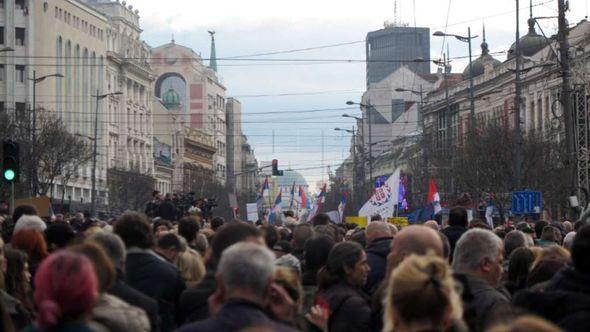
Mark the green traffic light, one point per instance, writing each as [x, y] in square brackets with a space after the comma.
[9, 174]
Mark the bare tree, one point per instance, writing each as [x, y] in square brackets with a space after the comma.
[128, 190]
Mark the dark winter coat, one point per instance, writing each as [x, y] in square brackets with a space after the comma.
[453, 233]
[349, 307]
[377, 252]
[167, 210]
[481, 301]
[193, 301]
[136, 298]
[236, 315]
[158, 279]
[565, 301]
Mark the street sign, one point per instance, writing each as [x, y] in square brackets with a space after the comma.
[526, 202]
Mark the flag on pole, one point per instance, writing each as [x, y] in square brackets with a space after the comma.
[276, 209]
[341, 207]
[292, 195]
[384, 199]
[302, 198]
[318, 204]
[265, 188]
[490, 212]
[433, 197]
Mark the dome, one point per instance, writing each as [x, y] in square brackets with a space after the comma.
[171, 99]
[478, 65]
[530, 43]
[290, 176]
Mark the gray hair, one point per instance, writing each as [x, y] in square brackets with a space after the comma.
[113, 246]
[474, 246]
[514, 240]
[568, 240]
[248, 266]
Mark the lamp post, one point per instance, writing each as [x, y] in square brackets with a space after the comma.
[35, 80]
[354, 165]
[95, 147]
[468, 41]
[367, 110]
[362, 149]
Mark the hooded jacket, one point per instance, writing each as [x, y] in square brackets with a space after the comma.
[377, 252]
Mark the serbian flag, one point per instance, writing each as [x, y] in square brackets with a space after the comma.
[265, 188]
[276, 208]
[292, 196]
[341, 206]
[303, 198]
[433, 197]
[318, 204]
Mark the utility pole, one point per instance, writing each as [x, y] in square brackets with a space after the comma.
[518, 149]
[471, 92]
[566, 91]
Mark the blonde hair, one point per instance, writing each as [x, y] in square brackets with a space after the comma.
[289, 279]
[421, 291]
[553, 252]
[191, 266]
[526, 323]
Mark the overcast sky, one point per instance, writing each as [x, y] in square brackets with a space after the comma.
[261, 26]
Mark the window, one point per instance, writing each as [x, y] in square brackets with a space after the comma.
[2, 73]
[1, 35]
[19, 4]
[19, 36]
[20, 74]
[20, 109]
[1, 3]
[2, 107]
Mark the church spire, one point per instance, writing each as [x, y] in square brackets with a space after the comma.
[213, 57]
[484, 45]
[531, 20]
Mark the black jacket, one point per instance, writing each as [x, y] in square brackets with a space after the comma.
[349, 308]
[136, 298]
[377, 252]
[565, 301]
[453, 233]
[158, 279]
[236, 315]
[193, 301]
[167, 210]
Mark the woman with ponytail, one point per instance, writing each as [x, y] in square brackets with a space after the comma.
[66, 291]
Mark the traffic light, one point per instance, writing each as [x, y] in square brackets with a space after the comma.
[10, 161]
[275, 168]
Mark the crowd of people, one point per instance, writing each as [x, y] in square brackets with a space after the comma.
[140, 273]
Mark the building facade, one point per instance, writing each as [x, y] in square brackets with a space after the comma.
[233, 110]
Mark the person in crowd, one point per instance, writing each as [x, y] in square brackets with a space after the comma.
[18, 278]
[548, 237]
[315, 256]
[194, 301]
[32, 242]
[290, 219]
[191, 265]
[519, 266]
[477, 263]
[320, 219]
[169, 247]
[539, 226]
[166, 209]
[282, 248]
[246, 295]
[16, 316]
[421, 296]
[59, 235]
[514, 239]
[340, 285]
[457, 226]
[547, 263]
[432, 224]
[161, 227]
[526, 323]
[216, 223]
[271, 235]
[188, 228]
[152, 207]
[566, 299]
[146, 271]
[567, 226]
[568, 240]
[379, 237]
[478, 223]
[114, 248]
[110, 311]
[66, 292]
[30, 222]
[446, 246]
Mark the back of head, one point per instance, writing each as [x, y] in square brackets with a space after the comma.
[432, 224]
[217, 222]
[188, 228]
[19, 211]
[474, 246]
[320, 219]
[539, 225]
[581, 250]
[134, 230]
[376, 217]
[112, 245]
[170, 241]
[343, 255]
[247, 267]
[30, 241]
[514, 240]
[230, 234]
[543, 270]
[30, 221]
[377, 229]
[421, 291]
[271, 235]
[519, 265]
[458, 217]
[418, 239]
[301, 233]
[548, 234]
[105, 271]
[568, 240]
[317, 250]
[525, 324]
[59, 235]
[65, 287]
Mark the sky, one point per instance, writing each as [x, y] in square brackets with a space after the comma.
[301, 102]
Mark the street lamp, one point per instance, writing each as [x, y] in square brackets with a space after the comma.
[367, 110]
[468, 41]
[95, 148]
[35, 81]
[354, 163]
